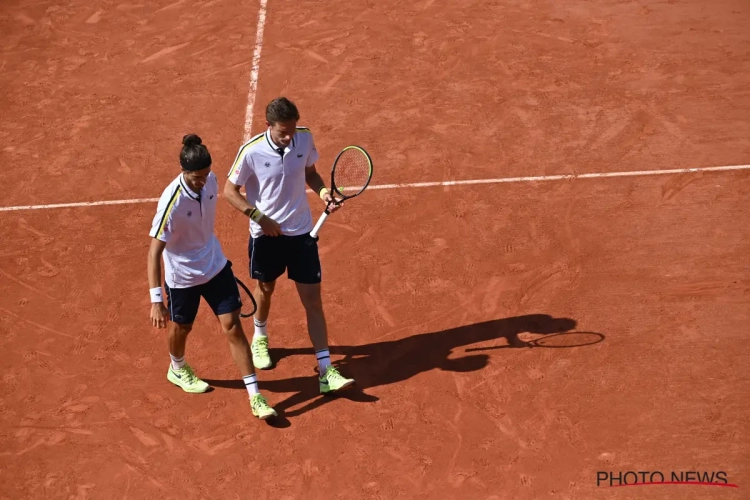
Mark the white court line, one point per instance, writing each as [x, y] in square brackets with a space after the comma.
[595, 175]
[468, 182]
[79, 204]
[255, 70]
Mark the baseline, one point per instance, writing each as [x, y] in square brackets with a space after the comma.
[466, 182]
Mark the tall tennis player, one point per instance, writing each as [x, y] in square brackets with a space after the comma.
[275, 167]
[182, 234]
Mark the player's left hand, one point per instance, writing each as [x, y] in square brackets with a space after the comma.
[159, 315]
[331, 203]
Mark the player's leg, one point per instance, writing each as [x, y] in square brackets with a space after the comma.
[267, 263]
[263, 293]
[305, 271]
[182, 304]
[223, 296]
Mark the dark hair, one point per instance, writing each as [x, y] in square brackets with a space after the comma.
[281, 109]
[194, 155]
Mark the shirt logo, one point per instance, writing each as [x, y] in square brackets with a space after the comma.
[268, 164]
[190, 213]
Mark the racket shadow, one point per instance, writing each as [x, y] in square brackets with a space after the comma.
[562, 340]
[394, 361]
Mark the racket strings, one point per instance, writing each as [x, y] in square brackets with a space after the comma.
[352, 172]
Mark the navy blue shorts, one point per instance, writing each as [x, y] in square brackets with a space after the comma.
[270, 256]
[221, 294]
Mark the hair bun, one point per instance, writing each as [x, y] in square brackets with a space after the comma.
[192, 140]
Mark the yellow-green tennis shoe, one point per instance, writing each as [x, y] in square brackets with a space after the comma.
[260, 407]
[333, 381]
[259, 349]
[185, 379]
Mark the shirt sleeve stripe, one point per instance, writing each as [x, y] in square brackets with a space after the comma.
[241, 154]
[167, 211]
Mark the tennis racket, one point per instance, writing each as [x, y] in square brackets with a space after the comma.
[350, 176]
[249, 306]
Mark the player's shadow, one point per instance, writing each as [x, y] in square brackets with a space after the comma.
[393, 361]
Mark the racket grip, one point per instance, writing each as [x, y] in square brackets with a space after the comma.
[314, 232]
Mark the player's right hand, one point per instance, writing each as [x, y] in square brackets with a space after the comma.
[269, 226]
[158, 315]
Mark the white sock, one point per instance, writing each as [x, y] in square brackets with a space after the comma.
[251, 384]
[177, 363]
[260, 329]
[324, 360]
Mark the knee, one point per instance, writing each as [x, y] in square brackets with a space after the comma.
[232, 327]
[235, 334]
[267, 288]
[181, 330]
[311, 297]
[312, 303]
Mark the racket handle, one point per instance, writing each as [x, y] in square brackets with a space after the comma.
[314, 232]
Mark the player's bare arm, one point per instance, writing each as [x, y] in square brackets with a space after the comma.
[239, 202]
[315, 182]
[159, 313]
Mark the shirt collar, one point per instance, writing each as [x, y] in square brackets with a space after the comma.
[276, 148]
[188, 191]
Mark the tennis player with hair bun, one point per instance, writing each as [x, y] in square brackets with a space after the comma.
[182, 233]
[274, 167]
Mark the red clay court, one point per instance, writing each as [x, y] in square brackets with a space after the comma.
[431, 291]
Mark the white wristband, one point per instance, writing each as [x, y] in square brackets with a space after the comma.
[156, 295]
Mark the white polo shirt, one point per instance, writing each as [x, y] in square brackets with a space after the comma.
[185, 221]
[275, 181]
